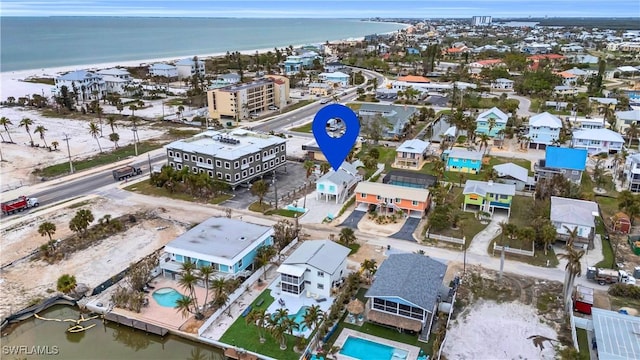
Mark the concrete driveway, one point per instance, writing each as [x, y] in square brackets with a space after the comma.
[353, 219]
[406, 232]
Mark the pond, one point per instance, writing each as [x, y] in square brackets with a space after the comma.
[37, 339]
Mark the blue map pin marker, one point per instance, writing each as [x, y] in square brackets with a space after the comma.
[336, 149]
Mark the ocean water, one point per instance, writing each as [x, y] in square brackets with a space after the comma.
[41, 42]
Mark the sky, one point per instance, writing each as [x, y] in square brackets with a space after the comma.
[323, 9]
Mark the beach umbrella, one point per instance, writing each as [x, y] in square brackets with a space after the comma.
[355, 307]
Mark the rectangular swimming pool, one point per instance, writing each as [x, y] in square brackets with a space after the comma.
[363, 349]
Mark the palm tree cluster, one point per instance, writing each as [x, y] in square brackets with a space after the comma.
[558, 185]
[200, 185]
[280, 323]
[541, 235]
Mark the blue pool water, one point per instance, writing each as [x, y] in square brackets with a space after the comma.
[359, 348]
[299, 317]
[166, 297]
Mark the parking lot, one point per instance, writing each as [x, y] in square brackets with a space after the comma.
[294, 177]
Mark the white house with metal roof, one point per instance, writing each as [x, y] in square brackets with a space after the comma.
[188, 67]
[406, 291]
[544, 129]
[511, 173]
[339, 184]
[597, 141]
[228, 245]
[616, 335]
[82, 83]
[569, 214]
[632, 173]
[626, 118]
[314, 268]
[162, 69]
[411, 154]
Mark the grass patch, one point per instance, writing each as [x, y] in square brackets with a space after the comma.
[583, 344]
[607, 250]
[496, 160]
[351, 201]
[471, 226]
[246, 336]
[544, 301]
[354, 106]
[297, 105]
[182, 133]
[387, 155]
[176, 102]
[284, 212]
[104, 158]
[257, 207]
[79, 204]
[354, 248]
[306, 128]
[620, 302]
[41, 80]
[146, 188]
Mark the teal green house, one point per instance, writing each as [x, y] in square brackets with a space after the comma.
[487, 196]
[491, 122]
[463, 160]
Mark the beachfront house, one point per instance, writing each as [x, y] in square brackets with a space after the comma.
[568, 162]
[544, 130]
[491, 122]
[83, 83]
[502, 84]
[189, 67]
[569, 214]
[335, 78]
[411, 154]
[228, 79]
[163, 70]
[314, 268]
[228, 245]
[463, 160]
[597, 141]
[387, 198]
[400, 299]
[339, 184]
[511, 173]
[296, 63]
[116, 80]
[487, 196]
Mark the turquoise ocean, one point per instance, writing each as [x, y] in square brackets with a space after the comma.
[44, 42]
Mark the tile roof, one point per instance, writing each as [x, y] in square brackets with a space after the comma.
[324, 255]
[546, 120]
[412, 277]
[565, 158]
[573, 211]
[414, 79]
[513, 170]
[483, 187]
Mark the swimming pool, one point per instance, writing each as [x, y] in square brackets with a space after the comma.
[298, 317]
[166, 297]
[359, 348]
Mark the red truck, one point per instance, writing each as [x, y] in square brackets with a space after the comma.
[19, 204]
[583, 299]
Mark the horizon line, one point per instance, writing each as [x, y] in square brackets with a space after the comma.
[347, 17]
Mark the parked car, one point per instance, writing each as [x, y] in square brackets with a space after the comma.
[324, 101]
[272, 107]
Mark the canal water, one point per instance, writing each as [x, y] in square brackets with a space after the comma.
[40, 339]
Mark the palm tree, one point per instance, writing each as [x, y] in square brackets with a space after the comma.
[263, 256]
[205, 275]
[438, 169]
[347, 236]
[188, 304]
[133, 108]
[5, 122]
[491, 124]
[572, 235]
[260, 318]
[98, 110]
[41, 130]
[369, 267]
[55, 145]
[490, 175]
[573, 269]
[324, 167]
[632, 132]
[47, 229]
[483, 140]
[260, 189]
[278, 331]
[114, 137]
[26, 123]
[111, 121]
[94, 131]
[312, 317]
[184, 305]
[549, 234]
[220, 288]
[66, 283]
[309, 166]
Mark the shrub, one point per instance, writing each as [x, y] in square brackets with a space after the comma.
[625, 291]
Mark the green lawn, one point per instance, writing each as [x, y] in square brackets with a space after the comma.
[470, 225]
[146, 188]
[306, 128]
[607, 250]
[257, 207]
[104, 158]
[387, 154]
[284, 212]
[297, 105]
[454, 177]
[246, 336]
[583, 344]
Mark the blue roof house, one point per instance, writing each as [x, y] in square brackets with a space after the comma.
[568, 162]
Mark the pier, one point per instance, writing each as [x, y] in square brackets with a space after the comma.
[136, 324]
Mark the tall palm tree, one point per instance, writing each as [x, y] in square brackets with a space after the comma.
[47, 229]
[491, 124]
[369, 267]
[309, 166]
[220, 288]
[260, 318]
[26, 123]
[94, 131]
[312, 317]
[324, 167]
[278, 331]
[41, 130]
[114, 137]
[111, 121]
[205, 272]
[483, 140]
[572, 235]
[573, 269]
[99, 112]
[438, 169]
[133, 108]
[632, 132]
[188, 280]
[5, 122]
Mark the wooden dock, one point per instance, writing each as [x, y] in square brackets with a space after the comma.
[136, 324]
[238, 354]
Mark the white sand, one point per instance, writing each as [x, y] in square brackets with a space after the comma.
[498, 331]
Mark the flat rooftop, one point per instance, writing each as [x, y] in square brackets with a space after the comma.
[209, 143]
[218, 237]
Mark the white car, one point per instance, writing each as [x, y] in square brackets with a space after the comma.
[324, 101]
[273, 108]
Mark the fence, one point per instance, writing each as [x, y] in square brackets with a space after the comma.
[509, 250]
[445, 238]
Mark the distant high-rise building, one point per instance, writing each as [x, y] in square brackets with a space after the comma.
[481, 20]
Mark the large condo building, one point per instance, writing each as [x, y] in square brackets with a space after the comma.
[239, 101]
[481, 20]
[235, 157]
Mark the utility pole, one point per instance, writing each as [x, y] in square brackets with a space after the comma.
[149, 158]
[67, 138]
[275, 188]
[135, 139]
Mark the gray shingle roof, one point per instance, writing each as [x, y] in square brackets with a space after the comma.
[324, 255]
[412, 277]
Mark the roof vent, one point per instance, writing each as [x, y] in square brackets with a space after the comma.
[242, 238]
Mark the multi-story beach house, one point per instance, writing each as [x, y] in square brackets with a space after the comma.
[396, 117]
[597, 141]
[189, 67]
[502, 84]
[569, 162]
[338, 185]
[338, 78]
[84, 84]
[116, 80]
[239, 101]
[314, 268]
[296, 63]
[163, 70]
[463, 160]
[411, 154]
[491, 122]
[544, 130]
[234, 157]
[228, 245]
[632, 173]
[626, 118]
[389, 198]
[400, 299]
[569, 214]
[487, 196]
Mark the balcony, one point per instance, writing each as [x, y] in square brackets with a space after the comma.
[177, 159]
[268, 157]
[204, 165]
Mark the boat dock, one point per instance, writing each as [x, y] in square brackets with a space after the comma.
[136, 324]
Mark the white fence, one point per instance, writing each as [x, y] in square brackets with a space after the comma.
[445, 238]
[513, 251]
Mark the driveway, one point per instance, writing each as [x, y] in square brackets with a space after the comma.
[406, 232]
[353, 219]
